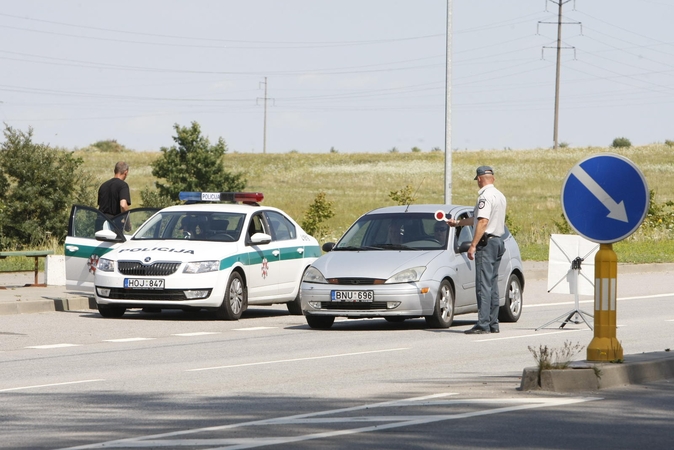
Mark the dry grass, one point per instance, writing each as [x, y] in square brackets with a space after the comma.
[356, 183]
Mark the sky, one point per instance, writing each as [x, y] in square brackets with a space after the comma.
[348, 75]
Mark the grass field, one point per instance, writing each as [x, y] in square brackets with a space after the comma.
[357, 183]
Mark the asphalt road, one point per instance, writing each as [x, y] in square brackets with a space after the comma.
[177, 380]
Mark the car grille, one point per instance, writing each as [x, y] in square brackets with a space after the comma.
[138, 269]
[353, 306]
[173, 295]
[356, 281]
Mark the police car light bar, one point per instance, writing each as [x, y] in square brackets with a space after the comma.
[244, 197]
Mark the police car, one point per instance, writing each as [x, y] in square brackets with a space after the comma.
[215, 256]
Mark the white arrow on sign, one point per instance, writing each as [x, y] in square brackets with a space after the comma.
[616, 210]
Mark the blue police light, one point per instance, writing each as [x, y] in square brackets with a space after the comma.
[244, 197]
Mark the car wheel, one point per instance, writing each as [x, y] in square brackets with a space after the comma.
[443, 313]
[295, 306]
[320, 322]
[235, 301]
[512, 309]
[111, 312]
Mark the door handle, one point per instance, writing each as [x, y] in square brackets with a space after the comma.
[300, 250]
[72, 248]
[275, 253]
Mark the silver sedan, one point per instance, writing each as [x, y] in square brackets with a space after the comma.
[401, 262]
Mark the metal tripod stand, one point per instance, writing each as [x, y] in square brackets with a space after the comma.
[576, 315]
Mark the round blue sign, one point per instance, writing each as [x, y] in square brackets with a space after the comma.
[605, 198]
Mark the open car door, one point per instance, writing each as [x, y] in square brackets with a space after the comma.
[82, 249]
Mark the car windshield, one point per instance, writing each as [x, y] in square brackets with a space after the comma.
[195, 225]
[400, 231]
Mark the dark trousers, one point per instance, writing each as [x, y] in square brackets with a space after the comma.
[487, 262]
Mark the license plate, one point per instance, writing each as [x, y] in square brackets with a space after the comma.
[143, 283]
[352, 296]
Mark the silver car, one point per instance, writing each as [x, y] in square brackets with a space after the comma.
[400, 262]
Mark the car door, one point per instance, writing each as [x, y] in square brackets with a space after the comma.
[291, 258]
[82, 249]
[465, 273]
[262, 271]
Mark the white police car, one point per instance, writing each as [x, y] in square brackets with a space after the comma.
[217, 256]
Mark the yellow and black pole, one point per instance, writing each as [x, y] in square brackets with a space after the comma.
[604, 345]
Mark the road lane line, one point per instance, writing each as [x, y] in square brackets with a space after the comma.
[639, 297]
[253, 328]
[199, 333]
[50, 385]
[53, 346]
[309, 358]
[528, 335]
[128, 339]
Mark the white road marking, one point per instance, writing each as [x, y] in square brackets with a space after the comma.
[639, 297]
[167, 440]
[54, 346]
[129, 339]
[254, 328]
[310, 358]
[50, 385]
[199, 333]
[529, 335]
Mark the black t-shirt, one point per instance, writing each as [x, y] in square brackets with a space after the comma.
[109, 195]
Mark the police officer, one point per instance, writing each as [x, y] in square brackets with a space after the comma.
[486, 249]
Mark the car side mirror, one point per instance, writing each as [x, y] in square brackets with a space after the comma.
[260, 239]
[463, 247]
[328, 246]
[108, 236]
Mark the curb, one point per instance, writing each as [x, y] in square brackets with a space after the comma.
[47, 305]
[590, 376]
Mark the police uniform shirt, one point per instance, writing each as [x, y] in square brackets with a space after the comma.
[491, 205]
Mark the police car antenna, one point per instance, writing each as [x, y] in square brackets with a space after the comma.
[415, 193]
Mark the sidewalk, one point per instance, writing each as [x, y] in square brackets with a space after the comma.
[18, 298]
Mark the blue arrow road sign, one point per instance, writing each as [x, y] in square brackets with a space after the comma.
[605, 198]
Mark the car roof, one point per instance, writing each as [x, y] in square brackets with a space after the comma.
[422, 208]
[220, 207]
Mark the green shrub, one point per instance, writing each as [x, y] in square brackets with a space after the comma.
[621, 142]
[416, 150]
[403, 196]
[317, 213]
[109, 146]
[669, 143]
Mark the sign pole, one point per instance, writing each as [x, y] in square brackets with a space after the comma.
[604, 346]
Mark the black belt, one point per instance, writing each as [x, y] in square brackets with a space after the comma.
[485, 237]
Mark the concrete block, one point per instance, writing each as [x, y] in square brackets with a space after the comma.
[55, 270]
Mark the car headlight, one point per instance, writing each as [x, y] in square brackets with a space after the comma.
[313, 275]
[105, 265]
[407, 275]
[202, 267]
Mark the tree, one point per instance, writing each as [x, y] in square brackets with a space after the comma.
[193, 164]
[38, 185]
[317, 213]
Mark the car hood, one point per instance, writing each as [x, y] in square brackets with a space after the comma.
[371, 264]
[172, 250]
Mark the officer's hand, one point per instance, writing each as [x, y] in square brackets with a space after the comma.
[471, 252]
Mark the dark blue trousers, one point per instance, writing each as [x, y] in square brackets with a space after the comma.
[487, 262]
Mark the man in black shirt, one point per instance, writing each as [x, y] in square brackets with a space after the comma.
[113, 195]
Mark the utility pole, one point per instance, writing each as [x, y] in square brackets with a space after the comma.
[559, 48]
[264, 128]
[448, 108]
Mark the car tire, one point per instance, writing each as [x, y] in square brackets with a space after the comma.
[295, 306]
[111, 312]
[320, 322]
[235, 301]
[512, 309]
[443, 312]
